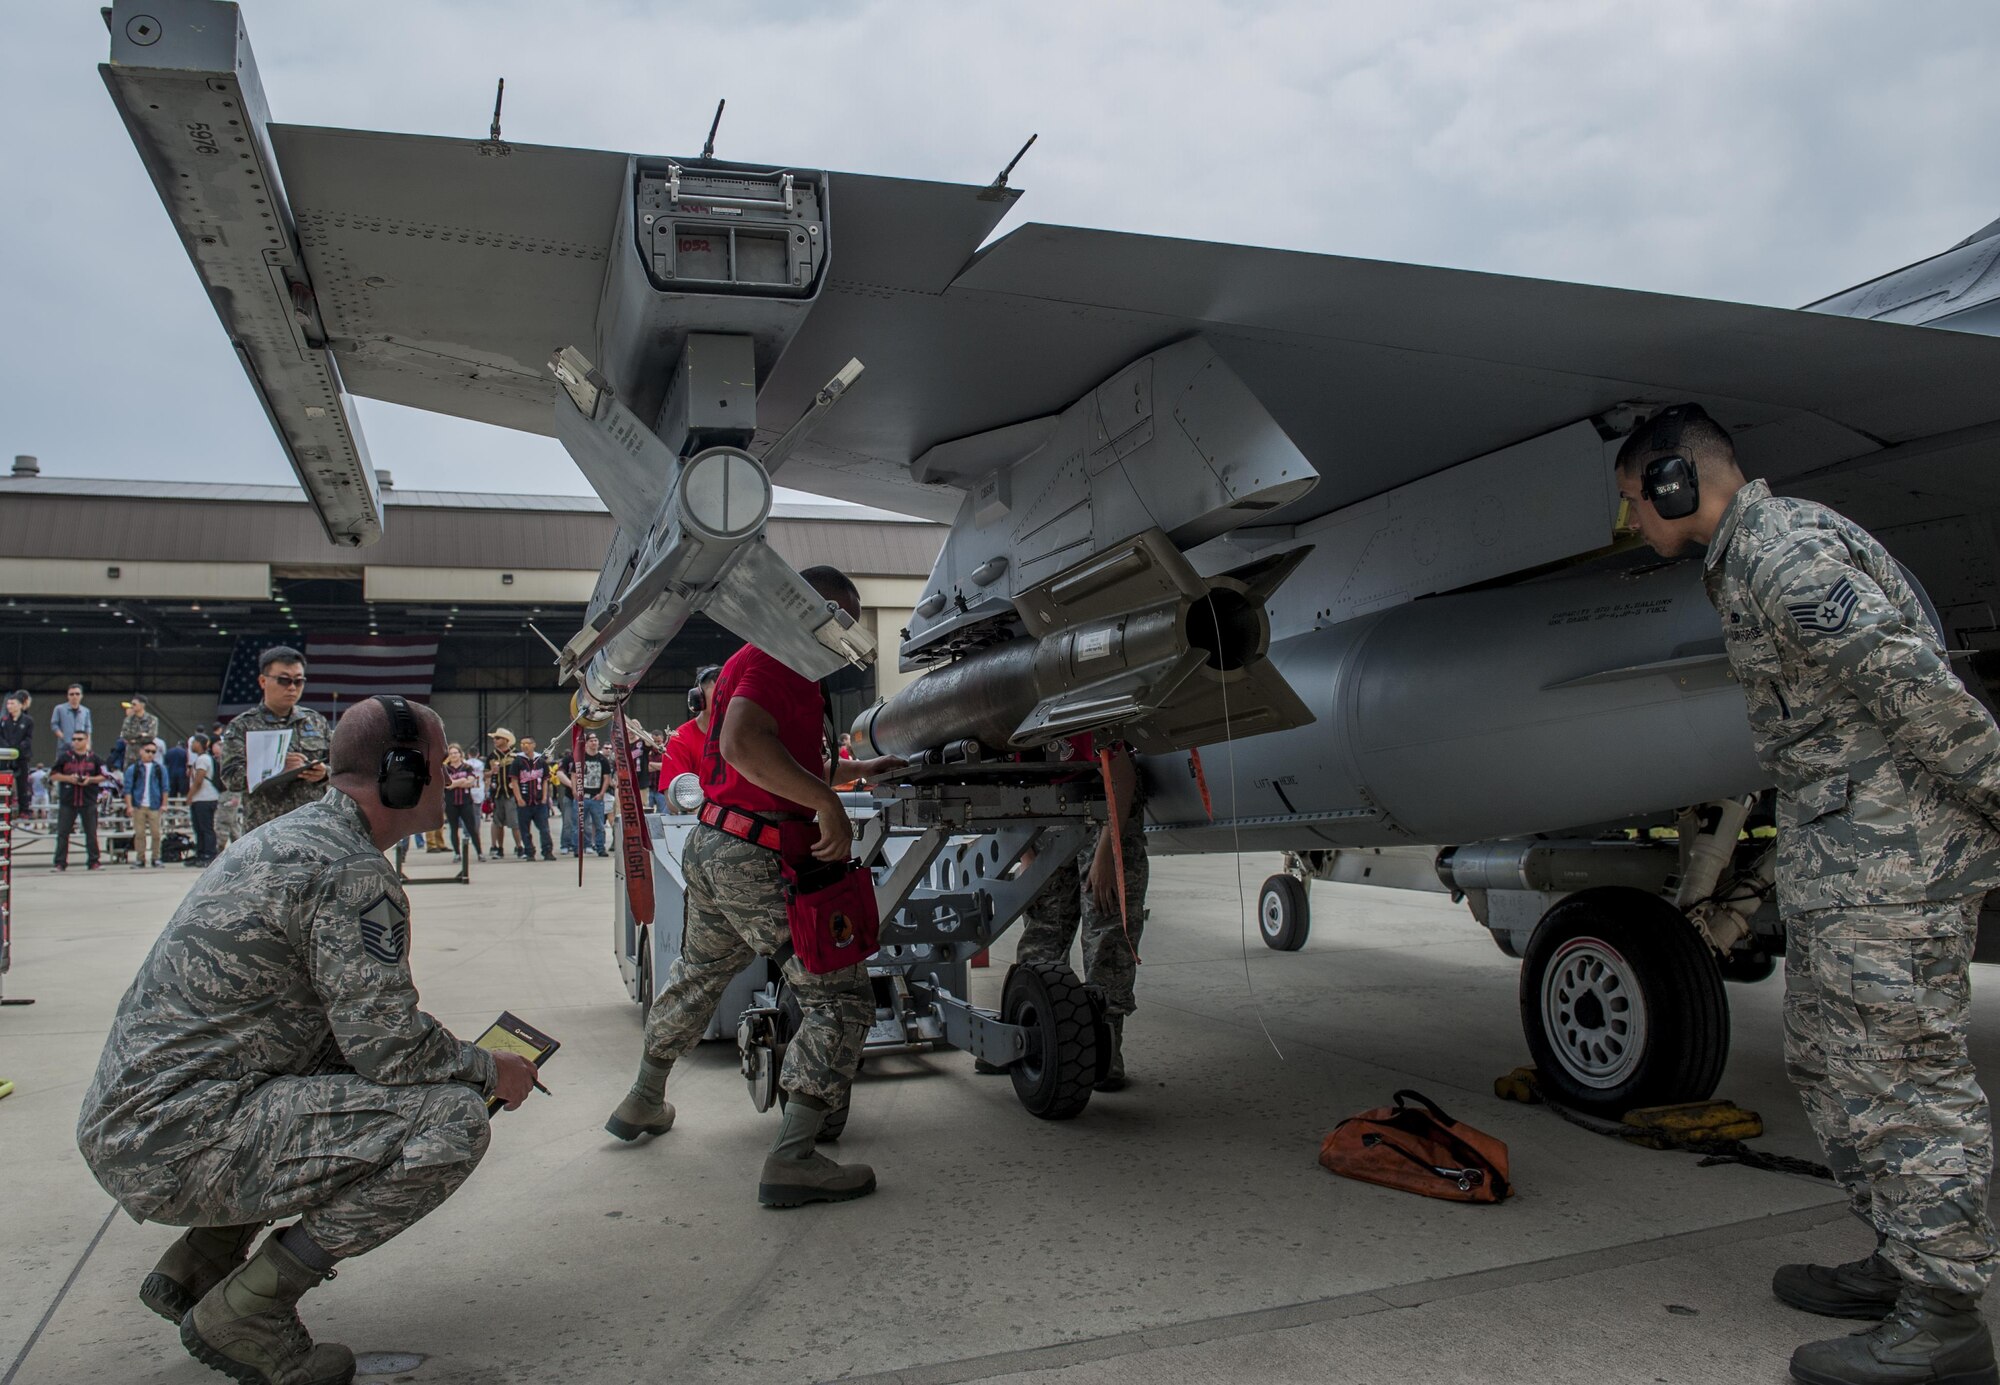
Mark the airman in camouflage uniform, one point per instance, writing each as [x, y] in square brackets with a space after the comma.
[279, 711]
[270, 1061]
[1888, 779]
[1067, 905]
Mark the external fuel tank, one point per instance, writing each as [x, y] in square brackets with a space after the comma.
[1549, 705]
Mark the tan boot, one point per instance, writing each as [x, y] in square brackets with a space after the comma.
[193, 1265]
[248, 1326]
[795, 1174]
[637, 1116]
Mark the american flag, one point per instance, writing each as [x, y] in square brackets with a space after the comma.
[343, 669]
[340, 670]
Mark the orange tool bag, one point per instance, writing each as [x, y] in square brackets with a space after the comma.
[1420, 1150]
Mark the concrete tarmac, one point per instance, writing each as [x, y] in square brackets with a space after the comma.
[1179, 1231]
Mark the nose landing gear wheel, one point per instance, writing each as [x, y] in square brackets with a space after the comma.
[1283, 915]
[1622, 1003]
[1053, 1079]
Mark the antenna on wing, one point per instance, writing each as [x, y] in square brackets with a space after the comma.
[708, 148]
[998, 187]
[499, 94]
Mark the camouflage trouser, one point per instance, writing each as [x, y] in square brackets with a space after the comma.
[736, 911]
[358, 1162]
[1064, 905]
[1877, 1007]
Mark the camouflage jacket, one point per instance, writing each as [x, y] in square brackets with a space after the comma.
[289, 957]
[138, 727]
[1887, 769]
[310, 736]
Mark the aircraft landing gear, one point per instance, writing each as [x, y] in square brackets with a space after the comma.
[1284, 913]
[1622, 1003]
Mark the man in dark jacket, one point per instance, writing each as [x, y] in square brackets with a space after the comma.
[17, 733]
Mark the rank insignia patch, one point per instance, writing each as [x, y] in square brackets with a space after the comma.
[385, 931]
[1830, 615]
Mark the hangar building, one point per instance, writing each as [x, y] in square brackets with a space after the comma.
[129, 585]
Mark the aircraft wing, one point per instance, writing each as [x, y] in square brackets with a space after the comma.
[443, 273]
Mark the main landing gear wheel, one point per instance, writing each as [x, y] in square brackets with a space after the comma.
[1283, 915]
[1054, 1077]
[1622, 1002]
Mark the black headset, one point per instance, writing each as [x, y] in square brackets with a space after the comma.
[405, 772]
[1671, 483]
[701, 677]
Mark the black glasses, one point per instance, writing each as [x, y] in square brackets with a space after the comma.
[285, 680]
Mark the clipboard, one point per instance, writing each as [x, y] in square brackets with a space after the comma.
[284, 777]
[512, 1034]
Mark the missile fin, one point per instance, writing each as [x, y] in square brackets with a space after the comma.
[625, 462]
[762, 600]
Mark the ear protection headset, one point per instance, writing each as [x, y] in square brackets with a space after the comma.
[701, 677]
[405, 773]
[1671, 483]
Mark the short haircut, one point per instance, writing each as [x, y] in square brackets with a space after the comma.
[366, 732]
[138, 699]
[198, 741]
[145, 746]
[1702, 440]
[279, 654]
[833, 584]
[73, 687]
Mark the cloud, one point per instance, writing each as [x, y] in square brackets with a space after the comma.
[1765, 150]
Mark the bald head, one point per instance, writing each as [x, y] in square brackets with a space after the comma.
[367, 731]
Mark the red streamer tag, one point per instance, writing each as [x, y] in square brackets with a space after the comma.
[634, 847]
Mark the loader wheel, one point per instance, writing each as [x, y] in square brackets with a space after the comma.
[1053, 1079]
[1283, 915]
[1622, 1003]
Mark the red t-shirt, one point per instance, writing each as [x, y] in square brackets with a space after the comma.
[683, 753]
[792, 701]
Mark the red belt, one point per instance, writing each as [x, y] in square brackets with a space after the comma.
[744, 826]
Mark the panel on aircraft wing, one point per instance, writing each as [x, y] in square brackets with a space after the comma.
[448, 272]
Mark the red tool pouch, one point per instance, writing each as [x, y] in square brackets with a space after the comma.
[831, 908]
[1419, 1151]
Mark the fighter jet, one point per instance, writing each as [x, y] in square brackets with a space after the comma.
[1349, 525]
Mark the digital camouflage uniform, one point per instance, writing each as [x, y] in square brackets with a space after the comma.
[736, 910]
[1888, 778]
[310, 736]
[270, 1058]
[138, 729]
[1065, 906]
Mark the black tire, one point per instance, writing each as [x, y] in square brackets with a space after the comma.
[1053, 1079]
[645, 975]
[1284, 917]
[1622, 1003]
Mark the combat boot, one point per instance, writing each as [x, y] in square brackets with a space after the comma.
[796, 1174]
[637, 1115]
[1114, 1072]
[193, 1265]
[1864, 1288]
[248, 1326]
[1931, 1337]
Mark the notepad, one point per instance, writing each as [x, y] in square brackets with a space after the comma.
[512, 1034]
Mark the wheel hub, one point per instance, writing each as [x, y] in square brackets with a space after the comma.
[1272, 914]
[1594, 1012]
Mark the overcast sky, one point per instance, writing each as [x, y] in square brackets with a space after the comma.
[1770, 151]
